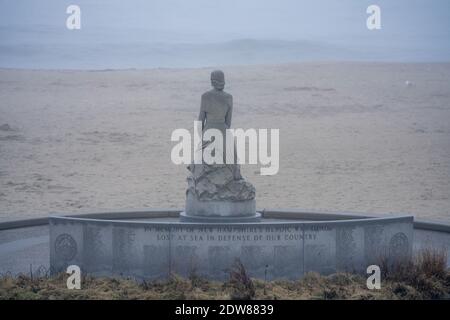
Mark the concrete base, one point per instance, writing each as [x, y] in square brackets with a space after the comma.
[205, 219]
[219, 208]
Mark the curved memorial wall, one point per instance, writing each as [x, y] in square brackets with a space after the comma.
[272, 248]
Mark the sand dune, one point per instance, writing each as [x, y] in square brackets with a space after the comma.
[354, 136]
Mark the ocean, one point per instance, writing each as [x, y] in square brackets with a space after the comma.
[183, 34]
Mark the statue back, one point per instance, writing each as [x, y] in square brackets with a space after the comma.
[217, 105]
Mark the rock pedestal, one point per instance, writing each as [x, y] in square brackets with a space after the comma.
[218, 193]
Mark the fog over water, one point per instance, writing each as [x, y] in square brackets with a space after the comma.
[192, 33]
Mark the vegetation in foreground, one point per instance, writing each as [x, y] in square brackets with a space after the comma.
[426, 277]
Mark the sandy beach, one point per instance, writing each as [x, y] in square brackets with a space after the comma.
[365, 137]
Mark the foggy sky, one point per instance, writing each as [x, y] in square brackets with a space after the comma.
[228, 19]
[409, 25]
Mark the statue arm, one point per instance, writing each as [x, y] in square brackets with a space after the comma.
[229, 114]
[202, 115]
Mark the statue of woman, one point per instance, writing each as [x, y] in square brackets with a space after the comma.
[215, 113]
[216, 106]
[217, 181]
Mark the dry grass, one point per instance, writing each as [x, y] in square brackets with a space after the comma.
[424, 277]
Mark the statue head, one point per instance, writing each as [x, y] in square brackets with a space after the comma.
[218, 79]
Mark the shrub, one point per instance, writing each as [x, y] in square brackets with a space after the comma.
[241, 284]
